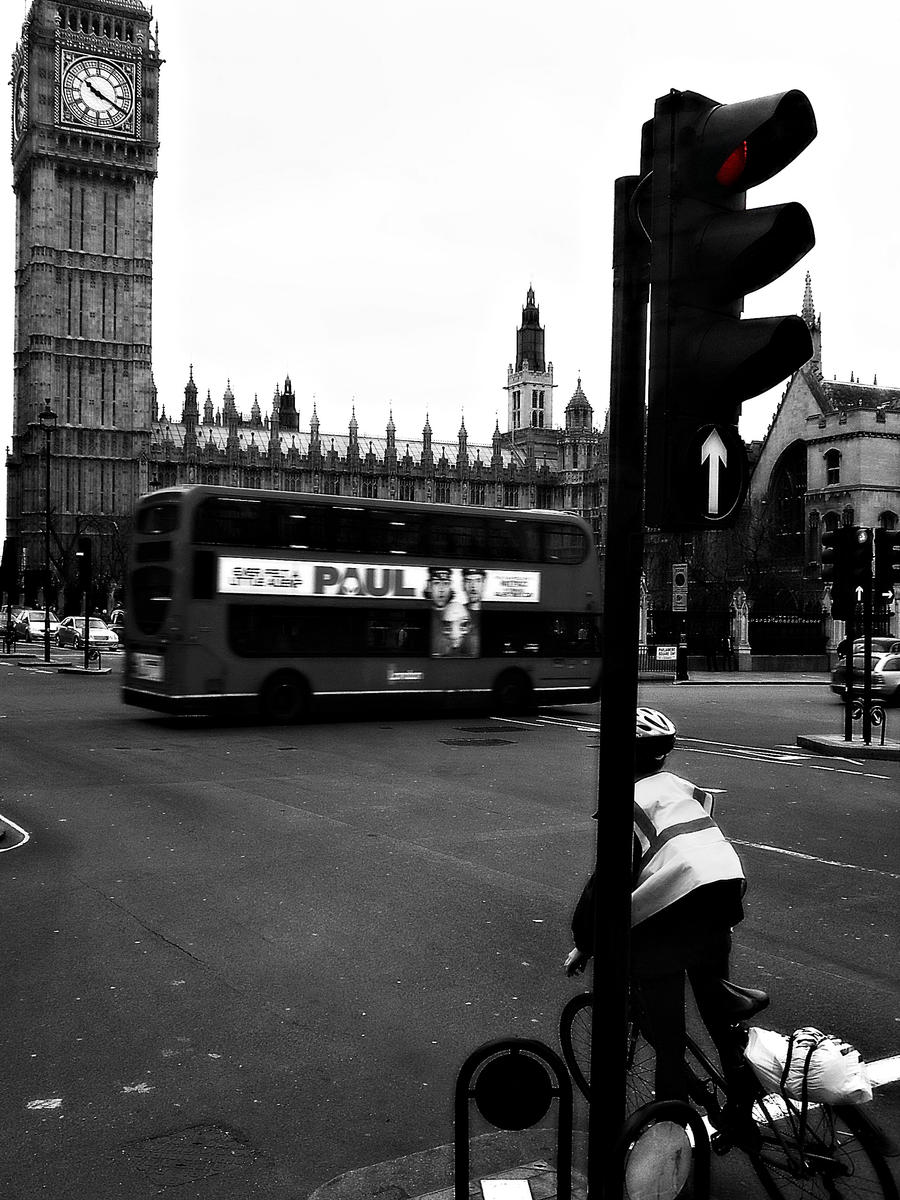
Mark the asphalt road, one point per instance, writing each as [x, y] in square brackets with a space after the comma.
[239, 960]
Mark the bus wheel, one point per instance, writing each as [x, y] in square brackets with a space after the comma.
[512, 692]
[284, 698]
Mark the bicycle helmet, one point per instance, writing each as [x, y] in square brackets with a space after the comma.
[655, 733]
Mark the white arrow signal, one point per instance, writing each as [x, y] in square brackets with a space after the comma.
[713, 450]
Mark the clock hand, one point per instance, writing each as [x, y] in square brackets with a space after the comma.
[104, 98]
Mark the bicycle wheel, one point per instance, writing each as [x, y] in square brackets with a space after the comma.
[835, 1157]
[575, 1039]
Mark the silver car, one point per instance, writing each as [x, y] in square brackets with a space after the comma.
[71, 633]
[885, 672]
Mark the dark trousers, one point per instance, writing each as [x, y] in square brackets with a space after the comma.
[661, 957]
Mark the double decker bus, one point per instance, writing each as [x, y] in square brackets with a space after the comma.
[294, 601]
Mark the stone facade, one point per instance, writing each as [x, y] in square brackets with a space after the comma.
[84, 156]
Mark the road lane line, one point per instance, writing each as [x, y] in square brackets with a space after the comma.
[825, 862]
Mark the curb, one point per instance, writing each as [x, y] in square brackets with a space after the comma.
[429, 1173]
[834, 744]
[83, 670]
[753, 679]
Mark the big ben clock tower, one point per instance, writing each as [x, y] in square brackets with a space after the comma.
[84, 149]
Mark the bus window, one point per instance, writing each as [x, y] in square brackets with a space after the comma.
[563, 544]
[518, 541]
[397, 632]
[348, 529]
[228, 521]
[158, 518]
[455, 536]
[396, 533]
[151, 592]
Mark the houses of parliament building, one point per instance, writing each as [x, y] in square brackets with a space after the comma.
[89, 430]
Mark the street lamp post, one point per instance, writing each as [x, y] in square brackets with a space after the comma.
[47, 418]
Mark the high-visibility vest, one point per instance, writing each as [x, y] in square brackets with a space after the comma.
[681, 846]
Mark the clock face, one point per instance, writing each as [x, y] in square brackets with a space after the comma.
[98, 93]
[20, 103]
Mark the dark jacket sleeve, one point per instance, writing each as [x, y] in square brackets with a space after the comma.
[583, 919]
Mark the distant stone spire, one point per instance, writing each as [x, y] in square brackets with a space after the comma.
[530, 337]
[813, 323]
[808, 312]
[190, 415]
[229, 408]
[288, 417]
[208, 414]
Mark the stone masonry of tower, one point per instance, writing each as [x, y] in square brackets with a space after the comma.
[84, 155]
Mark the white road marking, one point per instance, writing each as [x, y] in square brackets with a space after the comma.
[825, 862]
[732, 750]
[18, 829]
[36, 1105]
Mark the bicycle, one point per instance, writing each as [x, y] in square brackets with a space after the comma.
[815, 1151]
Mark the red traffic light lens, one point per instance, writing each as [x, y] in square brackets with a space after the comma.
[733, 167]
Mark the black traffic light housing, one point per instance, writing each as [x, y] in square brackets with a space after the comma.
[887, 562]
[707, 252]
[83, 563]
[847, 566]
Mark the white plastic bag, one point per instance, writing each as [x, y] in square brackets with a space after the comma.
[831, 1070]
[767, 1053]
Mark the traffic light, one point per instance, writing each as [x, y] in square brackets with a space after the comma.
[847, 566]
[707, 252]
[887, 562]
[83, 564]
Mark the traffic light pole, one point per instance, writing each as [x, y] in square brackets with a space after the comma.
[867, 663]
[849, 635]
[618, 694]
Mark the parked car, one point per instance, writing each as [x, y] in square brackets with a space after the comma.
[880, 645]
[71, 633]
[885, 671]
[31, 622]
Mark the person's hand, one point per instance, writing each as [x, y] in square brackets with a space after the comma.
[576, 961]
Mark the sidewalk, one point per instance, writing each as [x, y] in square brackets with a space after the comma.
[428, 1175]
[756, 677]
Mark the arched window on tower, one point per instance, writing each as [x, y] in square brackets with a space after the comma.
[887, 520]
[833, 466]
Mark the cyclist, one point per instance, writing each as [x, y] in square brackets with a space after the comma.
[687, 887]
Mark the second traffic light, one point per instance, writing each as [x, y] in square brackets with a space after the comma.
[707, 252]
[847, 566]
[887, 562]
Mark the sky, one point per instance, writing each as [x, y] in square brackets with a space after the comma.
[359, 194]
